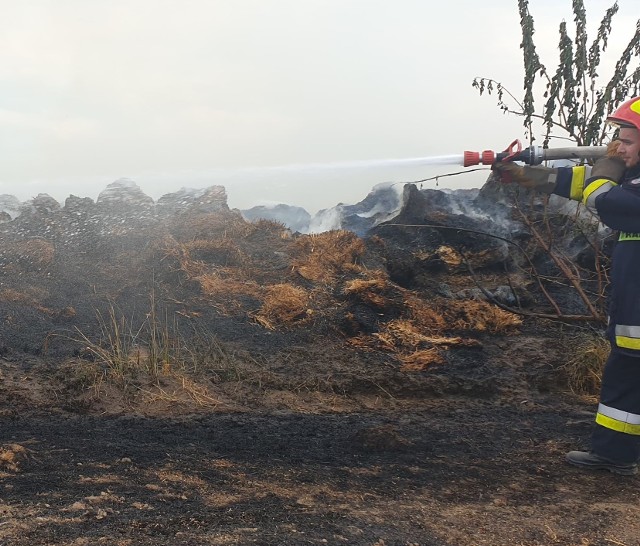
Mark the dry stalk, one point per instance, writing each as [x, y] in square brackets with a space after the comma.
[562, 266]
[198, 393]
[558, 316]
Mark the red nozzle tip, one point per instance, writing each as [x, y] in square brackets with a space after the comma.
[471, 158]
[488, 157]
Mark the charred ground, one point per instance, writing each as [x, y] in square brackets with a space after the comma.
[177, 375]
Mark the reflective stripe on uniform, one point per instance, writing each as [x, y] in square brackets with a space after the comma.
[628, 337]
[629, 236]
[618, 420]
[577, 183]
[596, 188]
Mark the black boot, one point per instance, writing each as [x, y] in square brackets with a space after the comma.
[587, 459]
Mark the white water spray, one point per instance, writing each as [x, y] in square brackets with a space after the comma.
[455, 159]
[534, 155]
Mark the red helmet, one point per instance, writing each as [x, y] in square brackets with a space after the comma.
[627, 114]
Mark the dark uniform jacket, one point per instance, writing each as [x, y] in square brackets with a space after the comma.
[618, 207]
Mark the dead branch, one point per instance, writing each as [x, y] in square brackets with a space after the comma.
[559, 316]
[571, 277]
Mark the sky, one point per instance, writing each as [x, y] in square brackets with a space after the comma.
[292, 101]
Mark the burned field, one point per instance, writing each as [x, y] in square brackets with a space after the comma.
[172, 374]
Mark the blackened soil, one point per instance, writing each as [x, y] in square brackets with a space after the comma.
[457, 473]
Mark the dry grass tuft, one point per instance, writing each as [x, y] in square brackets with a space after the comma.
[11, 456]
[362, 342]
[369, 291]
[226, 284]
[421, 360]
[226, 280]
[79, 375]
[283, 304]
[216, 282]
[480, 316]
[584, 369]
[424, 316]
[152, 363]
[402, 334]
[450, 257]
[358, 286]
[271, 226]
[322, 257]
[183, 391]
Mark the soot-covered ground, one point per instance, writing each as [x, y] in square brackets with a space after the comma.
[193, 379]
[451, 471]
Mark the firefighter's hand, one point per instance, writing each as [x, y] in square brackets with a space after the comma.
[610, 167]
[542, 179]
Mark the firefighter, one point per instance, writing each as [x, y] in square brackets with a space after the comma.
[612, 189]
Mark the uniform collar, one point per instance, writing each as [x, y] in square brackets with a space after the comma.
[632, 173]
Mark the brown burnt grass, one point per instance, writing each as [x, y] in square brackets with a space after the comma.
[420, 361]
[584, 368]
[369, 291]
[29, 255]
[323, 257]
[426, 330]
[12, 456]
[261, 273]
[31, 298]
[224, 251]
[218, 266]
[283, 304]
[417, 332]
[480, 316]
[193, 227]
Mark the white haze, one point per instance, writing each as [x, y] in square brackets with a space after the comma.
[294, 101]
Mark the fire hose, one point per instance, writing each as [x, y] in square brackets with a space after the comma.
[533, 155]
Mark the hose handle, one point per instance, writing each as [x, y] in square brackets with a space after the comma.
[512, 151]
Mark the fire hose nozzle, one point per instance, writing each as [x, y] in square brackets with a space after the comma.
[533, 155]
[488, 157]
[471, 158]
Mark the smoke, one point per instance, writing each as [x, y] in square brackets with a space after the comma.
[10, 205]
[327, 220]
